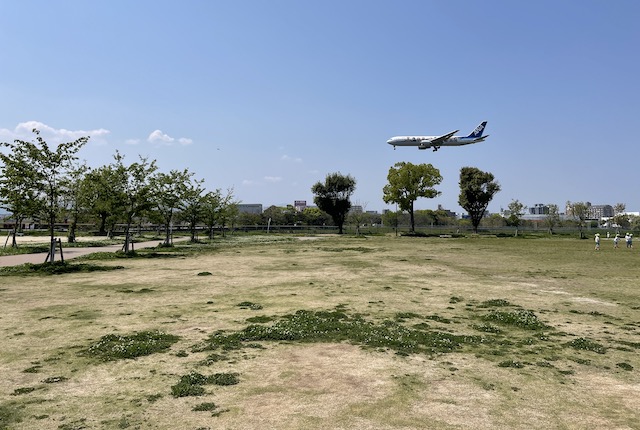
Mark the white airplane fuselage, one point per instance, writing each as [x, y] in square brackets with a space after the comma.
[435, 142]
[423, 142]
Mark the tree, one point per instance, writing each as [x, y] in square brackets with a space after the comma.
[17, 195]
[408, 182]
[552, 218]
[333, 196]
[275, 214]
[73, 198]
[228, 210]
[210, 209]
[314, 216]
[169, 191]
[191, 206]
[359, 216]
[135, 180]
[494, 220]
[516, 211]
[619, 216]
[579, 211]
[477, 189]
[45, 171]
[103, 192]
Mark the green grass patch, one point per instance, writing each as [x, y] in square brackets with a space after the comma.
[337, 326]
[587, 345]
[22, 390]
[249, 305]
[493, 303]
[55, 268]
[117, 347]
[192, 384]
[524, 319]
[625, 366]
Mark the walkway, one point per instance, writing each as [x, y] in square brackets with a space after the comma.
[69, 253]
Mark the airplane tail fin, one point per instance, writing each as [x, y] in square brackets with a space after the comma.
[477, 133]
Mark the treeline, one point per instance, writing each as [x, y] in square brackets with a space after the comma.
[46, 185]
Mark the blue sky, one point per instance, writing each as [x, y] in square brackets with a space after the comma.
[268, 97]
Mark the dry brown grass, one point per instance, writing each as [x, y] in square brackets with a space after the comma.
[47, 321]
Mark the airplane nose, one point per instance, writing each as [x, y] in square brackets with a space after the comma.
[389, 141]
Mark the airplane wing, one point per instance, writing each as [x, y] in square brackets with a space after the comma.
[437, 141]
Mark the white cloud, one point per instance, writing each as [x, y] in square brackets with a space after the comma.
[158, 137]
[272, 178]
[24, 131]
[292, 159]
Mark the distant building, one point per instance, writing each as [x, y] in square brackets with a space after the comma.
[300, 205]
[356, 209]
[447, 211]
[539, 209]
[599, 211]
[255, 208]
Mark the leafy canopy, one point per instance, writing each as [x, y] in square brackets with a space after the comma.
[333, 195]
[477, 189]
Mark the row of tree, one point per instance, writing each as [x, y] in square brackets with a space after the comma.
[406, 183]
[39, 182]
[42, 183]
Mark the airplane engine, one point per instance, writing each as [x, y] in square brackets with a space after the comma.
[422, 147]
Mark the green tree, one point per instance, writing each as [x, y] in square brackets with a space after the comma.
[168, 193]
[136, 194]
[358, 217]
[494, 220]
[102, 190]
[579, 211]
[17, 194]
[191, 207]
[228, 210]
[619, 216]
[477, 189]
[516, 211]
[314, 216]
[74, 201]
[333, 196]
[275, 214]
[45, 172]
[408, 182]
[553, 217]
[211, 203]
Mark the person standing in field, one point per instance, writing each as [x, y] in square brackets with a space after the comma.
[615, 241]
[630, 241]
[597, 241]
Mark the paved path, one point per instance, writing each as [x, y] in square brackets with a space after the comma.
[69, 253]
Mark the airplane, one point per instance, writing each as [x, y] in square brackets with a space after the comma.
[435, 142]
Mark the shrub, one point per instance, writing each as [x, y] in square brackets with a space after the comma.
[115, 347]
[520, 318]
[192, 384]
[587, 345]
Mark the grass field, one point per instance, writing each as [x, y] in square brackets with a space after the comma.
[261, 332]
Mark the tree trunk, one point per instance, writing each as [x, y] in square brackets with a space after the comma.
[71, 237]
[103, 223]
[412, 219]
